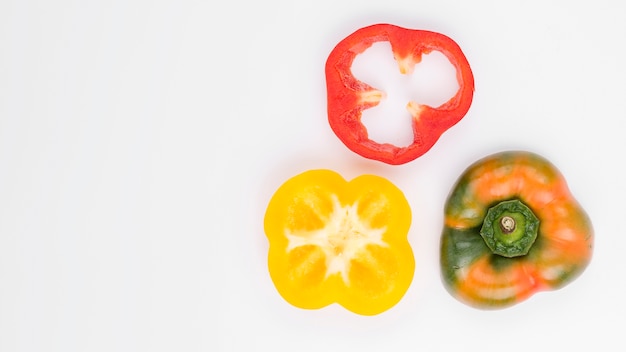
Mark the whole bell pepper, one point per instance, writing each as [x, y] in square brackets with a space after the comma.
[334, 241]
[348, 97]
[512, 228]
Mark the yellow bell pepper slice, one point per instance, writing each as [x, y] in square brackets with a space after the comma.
[334, 241]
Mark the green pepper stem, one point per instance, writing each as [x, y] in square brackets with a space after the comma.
[510, 228]
[507, 224]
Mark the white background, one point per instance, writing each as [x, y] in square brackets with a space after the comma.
[140, 142]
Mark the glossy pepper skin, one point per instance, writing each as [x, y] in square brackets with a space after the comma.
[347, 97]
[477, 276]
[334, 241]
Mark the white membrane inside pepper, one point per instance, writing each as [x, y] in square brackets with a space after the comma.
[432, 82]
[342, 238]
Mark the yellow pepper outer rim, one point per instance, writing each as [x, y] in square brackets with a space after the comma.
[333, 290]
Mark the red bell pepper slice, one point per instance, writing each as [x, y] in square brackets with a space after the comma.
[348, 97]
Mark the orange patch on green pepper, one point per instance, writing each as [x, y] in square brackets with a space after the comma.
[512, 228]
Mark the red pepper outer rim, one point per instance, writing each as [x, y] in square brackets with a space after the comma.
[345, 110]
